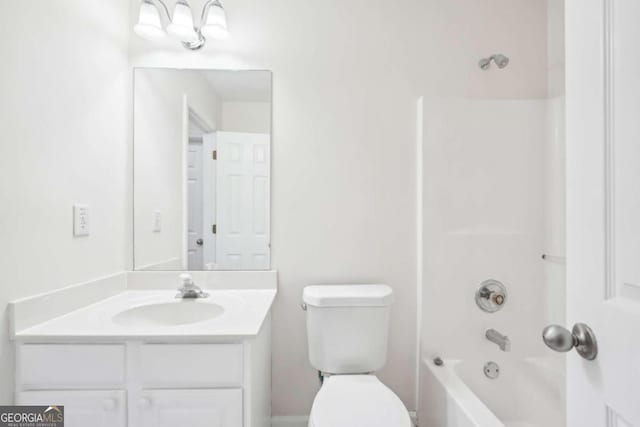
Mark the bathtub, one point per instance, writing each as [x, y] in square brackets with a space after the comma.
[528, 393]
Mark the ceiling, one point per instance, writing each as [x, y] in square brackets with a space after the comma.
[239, 86]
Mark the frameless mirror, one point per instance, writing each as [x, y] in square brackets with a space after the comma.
[202, 144]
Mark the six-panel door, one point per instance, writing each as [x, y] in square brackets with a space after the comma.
[603, 208]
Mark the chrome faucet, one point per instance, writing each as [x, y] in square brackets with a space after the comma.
[496, 337]
[189, 290]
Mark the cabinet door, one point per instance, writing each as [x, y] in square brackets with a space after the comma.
[82, 408]
[193, 408]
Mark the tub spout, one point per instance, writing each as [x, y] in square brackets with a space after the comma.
[497, 338]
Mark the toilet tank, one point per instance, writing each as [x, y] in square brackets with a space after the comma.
[347, 327]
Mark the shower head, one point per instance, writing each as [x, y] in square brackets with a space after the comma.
[500, 60]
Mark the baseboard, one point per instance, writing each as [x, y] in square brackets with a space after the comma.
[290, 421]
[303, 421]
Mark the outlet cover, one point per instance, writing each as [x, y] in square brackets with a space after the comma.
[157, 221]
[80, 220]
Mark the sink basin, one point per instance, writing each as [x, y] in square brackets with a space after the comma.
[175, 313]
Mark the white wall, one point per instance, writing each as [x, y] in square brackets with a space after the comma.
[159, 157]
[251, 117]
[346, 78]
[65, 135]
[555, 48]
[460, 32]
[343, 188]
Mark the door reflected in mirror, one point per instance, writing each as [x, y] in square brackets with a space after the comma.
[202, 169]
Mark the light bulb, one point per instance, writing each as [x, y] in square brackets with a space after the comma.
[149, 24]
[215, 24]
[181, 26]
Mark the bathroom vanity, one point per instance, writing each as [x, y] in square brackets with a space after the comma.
[138, 359]
[130, 350]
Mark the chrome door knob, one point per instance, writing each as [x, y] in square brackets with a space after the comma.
[558, 338]
[581, 338]
[199, 242]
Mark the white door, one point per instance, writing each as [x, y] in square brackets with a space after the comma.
[82, 408]
[192, 408]
[209, 200]
[603, 208]
[195, 240]
[242, 203]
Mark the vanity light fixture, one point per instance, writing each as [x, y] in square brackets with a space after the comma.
[181, 26]
[149, 24]
[215, 24]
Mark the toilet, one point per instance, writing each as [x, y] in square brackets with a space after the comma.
[347, 329]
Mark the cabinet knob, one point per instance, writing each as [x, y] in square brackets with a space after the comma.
[144, 403]
[109, 404]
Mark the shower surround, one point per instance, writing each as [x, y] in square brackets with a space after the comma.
[492, 173]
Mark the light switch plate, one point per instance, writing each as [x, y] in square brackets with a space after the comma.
[80, 220]
[157, 221]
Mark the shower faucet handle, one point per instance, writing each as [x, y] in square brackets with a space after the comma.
[491, 296]
[498, 298]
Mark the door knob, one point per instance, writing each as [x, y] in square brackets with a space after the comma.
[581, 337]
[199, 242]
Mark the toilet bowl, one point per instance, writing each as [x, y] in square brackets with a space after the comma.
[347, 332]
[357, 401]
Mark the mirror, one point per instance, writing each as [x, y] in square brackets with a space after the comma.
[202, 151]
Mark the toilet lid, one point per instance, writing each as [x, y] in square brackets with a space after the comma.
[357, 401]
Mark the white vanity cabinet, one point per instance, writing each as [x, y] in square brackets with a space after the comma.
[147, 384]
[193, 408]
[83, 408]
[196, 385]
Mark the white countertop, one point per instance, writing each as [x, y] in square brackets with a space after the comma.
[244, 313]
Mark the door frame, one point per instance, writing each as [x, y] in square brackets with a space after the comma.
[189, 114]
[209, 215]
